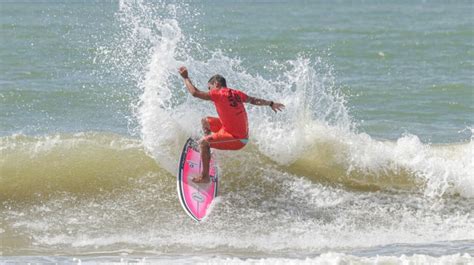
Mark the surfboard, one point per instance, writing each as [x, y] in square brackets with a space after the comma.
[195, 198]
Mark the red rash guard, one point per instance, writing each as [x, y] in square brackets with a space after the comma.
[230, 107]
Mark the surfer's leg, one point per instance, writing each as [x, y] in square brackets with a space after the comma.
[206, 128]
[205, 158]
[211, 124]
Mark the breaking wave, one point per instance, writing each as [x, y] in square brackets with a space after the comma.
[88, 163]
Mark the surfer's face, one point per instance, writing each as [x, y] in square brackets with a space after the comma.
[213, 85]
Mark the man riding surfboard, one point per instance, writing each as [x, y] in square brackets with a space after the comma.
[230, 130]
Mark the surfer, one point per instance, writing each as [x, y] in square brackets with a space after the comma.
[230, 130]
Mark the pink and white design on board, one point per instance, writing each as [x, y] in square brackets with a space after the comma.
[195, 198]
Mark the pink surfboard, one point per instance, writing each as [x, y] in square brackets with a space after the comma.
[195, 198]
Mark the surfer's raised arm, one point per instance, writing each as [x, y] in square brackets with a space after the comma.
[191, 88]
[262, 102]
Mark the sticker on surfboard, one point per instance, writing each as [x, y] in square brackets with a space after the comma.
[195, 197]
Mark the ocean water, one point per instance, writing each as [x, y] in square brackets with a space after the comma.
[371, 162]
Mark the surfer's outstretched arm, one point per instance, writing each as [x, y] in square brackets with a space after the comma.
[191, 88]
[262, 102]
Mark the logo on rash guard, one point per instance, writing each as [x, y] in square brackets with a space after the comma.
[234, 99]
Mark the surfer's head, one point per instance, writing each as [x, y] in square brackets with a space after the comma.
[216, 81]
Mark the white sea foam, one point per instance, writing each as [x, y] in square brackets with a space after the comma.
[327, 258]
[340, 258]
[280, 212]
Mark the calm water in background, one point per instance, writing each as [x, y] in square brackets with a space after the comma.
[380, 101]
[404, 67]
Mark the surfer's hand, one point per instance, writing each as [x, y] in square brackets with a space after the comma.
[277, 106]
[183, 72]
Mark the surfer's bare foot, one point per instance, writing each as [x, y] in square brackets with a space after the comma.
[201, 179]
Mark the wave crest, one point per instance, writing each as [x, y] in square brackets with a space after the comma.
[90, 163]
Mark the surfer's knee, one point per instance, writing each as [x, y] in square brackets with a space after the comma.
[205, 122]
[206, 126]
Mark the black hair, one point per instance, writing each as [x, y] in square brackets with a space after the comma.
[220, 79]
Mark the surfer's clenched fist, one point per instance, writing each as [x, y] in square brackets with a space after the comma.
[229, 131]
[183, 72]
